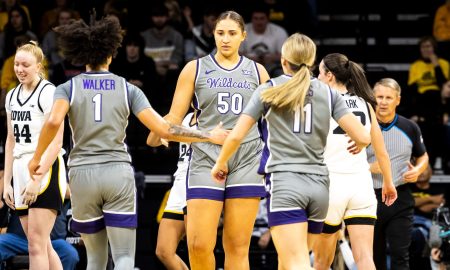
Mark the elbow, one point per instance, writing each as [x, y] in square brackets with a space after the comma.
[52, 124]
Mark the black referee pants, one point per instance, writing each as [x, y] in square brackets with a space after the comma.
[393, 228]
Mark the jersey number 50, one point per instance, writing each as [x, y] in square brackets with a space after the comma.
[225, 103]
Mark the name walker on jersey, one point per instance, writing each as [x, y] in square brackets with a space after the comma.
[99, 84]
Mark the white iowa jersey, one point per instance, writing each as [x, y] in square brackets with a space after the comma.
[185, 149]
[28, 114]
[336, 155]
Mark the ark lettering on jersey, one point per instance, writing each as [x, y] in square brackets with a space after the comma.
[227, 83]
[21, 115]
[351, 103]
[99, 84]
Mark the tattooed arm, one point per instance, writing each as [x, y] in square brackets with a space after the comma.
[181, 133]
[171, 132]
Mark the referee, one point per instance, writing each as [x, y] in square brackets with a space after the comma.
[404, 144]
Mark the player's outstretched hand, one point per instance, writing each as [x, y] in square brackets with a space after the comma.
[219, 172]
[218, 134]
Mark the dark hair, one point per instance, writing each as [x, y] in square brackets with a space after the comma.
[92, 44]
[211, 10]
[134, 38]
[261, 8]
[431, 39]
[25, 20]
[232, 15]
[349, 74]
[159, 10]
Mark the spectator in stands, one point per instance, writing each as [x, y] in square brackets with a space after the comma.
[427, 75]
[441, 28]
[264, 40]
[179, 17]
[5, 8]
[14, 241]
[49, 43]
[140, 71]
[165, 46]
[427, 197]
[51, 17]
[118, 9]
[446, 152]
[18, 24]
[403, 141]
[162, 42]
[202, 41]
[134, 66]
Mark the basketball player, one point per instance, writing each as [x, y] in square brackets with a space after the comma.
[296, 113]
[172, 225]
[37, 201]
[101, 176]
[352, 198]
[220, 86]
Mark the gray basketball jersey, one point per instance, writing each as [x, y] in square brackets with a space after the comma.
[222, 94]
[100, 104]
[293, 144]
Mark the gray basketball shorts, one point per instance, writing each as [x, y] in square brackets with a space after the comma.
[103, 195]
[297, 197]
[243, 180]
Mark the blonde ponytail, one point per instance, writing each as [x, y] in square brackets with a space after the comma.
[300, 52]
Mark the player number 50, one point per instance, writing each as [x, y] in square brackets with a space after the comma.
[226, 103]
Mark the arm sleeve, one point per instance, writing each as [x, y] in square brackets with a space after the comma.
[63, 91]
[138, 100]
[46, 98]
[338, 106]
[417, 140]
[255, 107]
[440, 77]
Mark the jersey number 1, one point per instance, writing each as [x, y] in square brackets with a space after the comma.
[97, 100]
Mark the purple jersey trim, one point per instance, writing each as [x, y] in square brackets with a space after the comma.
[120, 220]
[245, 192]
[205, 193]
[88, 227]
[286, 217]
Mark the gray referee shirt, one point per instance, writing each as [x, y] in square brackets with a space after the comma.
[403, 141]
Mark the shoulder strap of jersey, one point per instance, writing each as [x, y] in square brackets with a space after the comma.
[13, 91]
[39, 96]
